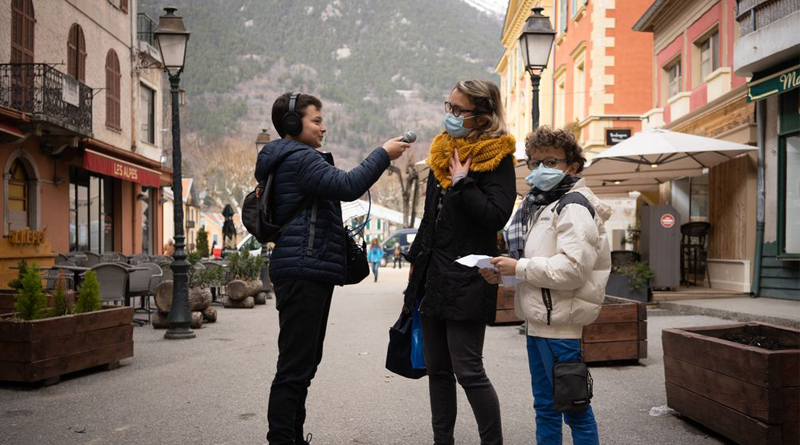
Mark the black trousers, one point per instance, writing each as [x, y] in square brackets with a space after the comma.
[303, 308]
[398, 261]
[454, 351]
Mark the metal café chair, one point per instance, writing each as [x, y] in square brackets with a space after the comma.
[113, 279]
[51, 277]
[694, 251]
[160, 259]
[92, 259]
[142, 283]
[138, 258]
[62, 259]
[79, 258]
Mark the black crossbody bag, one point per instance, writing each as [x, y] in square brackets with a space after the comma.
[573, 387]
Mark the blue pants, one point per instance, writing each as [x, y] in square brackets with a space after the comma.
[548, 420]
[375, 267]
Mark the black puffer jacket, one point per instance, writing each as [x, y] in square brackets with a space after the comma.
[472, 213]
[304, 173]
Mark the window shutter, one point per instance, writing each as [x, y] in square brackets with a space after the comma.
[563, 19]
[113, 90]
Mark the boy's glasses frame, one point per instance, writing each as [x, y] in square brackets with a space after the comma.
[533, 164]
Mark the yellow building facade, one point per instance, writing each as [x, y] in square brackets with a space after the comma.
[515, 81]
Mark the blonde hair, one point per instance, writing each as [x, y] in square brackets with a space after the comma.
[485, 97]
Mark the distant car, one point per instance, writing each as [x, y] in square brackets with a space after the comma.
[403, 236]
[250, 243]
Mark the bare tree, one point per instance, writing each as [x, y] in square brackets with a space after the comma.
[409, 189]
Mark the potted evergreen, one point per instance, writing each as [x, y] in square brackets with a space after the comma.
[42, 342]
[246, 286]
[631, 281]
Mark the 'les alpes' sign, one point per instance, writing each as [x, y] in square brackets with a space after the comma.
[116, 168]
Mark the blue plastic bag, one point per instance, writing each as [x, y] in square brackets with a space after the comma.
[417, 345]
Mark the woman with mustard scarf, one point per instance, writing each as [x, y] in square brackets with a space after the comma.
[470, 196]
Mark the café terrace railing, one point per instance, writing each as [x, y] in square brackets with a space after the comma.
[48, 95]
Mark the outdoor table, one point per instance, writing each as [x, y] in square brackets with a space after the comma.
[77, 271]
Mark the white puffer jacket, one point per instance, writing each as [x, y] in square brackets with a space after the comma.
[567, 255]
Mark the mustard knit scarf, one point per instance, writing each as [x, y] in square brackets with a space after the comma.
[486, 154]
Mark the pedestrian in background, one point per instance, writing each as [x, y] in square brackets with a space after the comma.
[309, 257]
[398, 256]
[470, 196]
[558, 247]
[375, 256]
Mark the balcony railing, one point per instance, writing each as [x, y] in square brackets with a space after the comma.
[145, 27]
[756, 14]
[47, 95]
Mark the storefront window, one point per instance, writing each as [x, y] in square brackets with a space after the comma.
[90, 212]
[698, 206]
[791, 199]
[147, 220]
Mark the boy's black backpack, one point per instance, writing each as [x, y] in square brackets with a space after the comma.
[257, 215]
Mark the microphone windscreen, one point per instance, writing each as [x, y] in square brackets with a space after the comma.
[409, 137]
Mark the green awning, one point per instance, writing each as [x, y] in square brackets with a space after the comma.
[769, 83]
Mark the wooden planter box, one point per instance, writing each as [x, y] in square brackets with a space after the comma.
[505, 307]
[7, 301]
[44, 350]
[619, 333]
[748, 394]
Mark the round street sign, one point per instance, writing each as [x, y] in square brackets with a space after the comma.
[667, 221]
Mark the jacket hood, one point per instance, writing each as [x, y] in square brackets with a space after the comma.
[602, 209]
[272, 153]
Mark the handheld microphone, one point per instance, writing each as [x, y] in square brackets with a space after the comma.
[409, 137]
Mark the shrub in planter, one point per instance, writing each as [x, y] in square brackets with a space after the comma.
[40, 345]
[630, 281]
[30, 302]
[88, 299]
[245, 270]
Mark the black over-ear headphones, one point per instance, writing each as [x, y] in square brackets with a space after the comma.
[292, 122]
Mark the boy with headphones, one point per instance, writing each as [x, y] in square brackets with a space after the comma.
[309, 257]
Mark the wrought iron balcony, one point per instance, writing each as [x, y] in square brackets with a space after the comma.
[48, 95]
[145, 27]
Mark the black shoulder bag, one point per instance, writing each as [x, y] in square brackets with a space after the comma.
[572, 385]
[357, 264]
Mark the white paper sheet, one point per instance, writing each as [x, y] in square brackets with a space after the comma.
[483, 262]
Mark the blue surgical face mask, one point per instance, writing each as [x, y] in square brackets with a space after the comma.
[544, 178]
[455, 126]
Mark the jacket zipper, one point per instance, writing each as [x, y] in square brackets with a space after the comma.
[548, 303]
[312, 230]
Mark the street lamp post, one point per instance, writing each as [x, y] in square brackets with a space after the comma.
[172, 38]
[536, 42]
[266, 286]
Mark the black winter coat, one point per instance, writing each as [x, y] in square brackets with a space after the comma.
[300, 253]
[472, 212]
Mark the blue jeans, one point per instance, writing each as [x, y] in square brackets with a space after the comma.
[375, 267]
[548, 420]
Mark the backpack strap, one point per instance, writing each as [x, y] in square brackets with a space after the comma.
[574, 198]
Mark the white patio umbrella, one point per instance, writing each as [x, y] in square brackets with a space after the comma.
[652, 157]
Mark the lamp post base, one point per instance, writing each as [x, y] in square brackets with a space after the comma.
[184, 333]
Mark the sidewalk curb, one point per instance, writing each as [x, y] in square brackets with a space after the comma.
[688, 309]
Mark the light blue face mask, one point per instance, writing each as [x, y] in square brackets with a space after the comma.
[455, 126]
[544, 178]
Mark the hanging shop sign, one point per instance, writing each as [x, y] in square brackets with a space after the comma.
[616, 135]
[667, 221]
[100, 163]
[768, 84]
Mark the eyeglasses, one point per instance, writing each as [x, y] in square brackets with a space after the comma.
[549, 163]
[455, 110]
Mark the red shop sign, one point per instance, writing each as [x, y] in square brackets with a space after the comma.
[100, 163]
[667, 221]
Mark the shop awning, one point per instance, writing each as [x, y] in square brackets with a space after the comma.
[107, 165]
[652, 157]
[770, 83]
